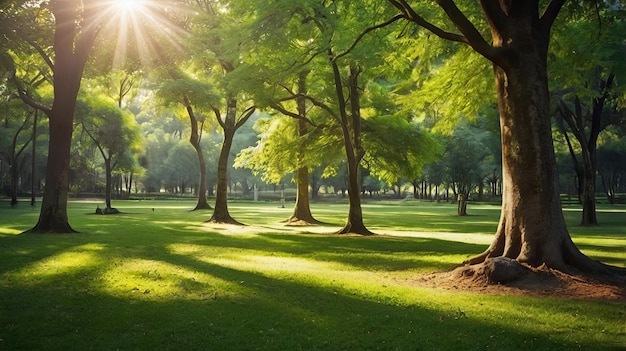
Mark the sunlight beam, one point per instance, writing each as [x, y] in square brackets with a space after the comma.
[137, 27]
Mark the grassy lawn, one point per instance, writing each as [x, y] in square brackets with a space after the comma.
[164, 280]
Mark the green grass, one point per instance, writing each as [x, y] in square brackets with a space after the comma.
[164, 280]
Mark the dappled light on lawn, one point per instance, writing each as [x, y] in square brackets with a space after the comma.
[69, 262]
[158, 280]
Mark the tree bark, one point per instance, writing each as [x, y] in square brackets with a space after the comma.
[588, 194]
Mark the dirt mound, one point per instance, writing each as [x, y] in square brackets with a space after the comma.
[541, 281]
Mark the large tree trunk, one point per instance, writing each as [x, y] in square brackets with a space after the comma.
[70, 55]
[53, 215]
[532, 229]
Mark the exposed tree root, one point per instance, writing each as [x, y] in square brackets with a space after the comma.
[355, 230]
[202, 207]
[107, 210]
[534, 281]
[63, 228]
[568, 260]
[295, 221]
[224, 220]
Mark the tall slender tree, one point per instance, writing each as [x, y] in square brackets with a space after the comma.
[192, 95]
[217, 41]
[587, 67]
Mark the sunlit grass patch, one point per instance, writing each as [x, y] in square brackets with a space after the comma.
[157, 280]
[63, 264]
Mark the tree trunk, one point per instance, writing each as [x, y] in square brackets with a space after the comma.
[354, 151]
[53, 215]
[461, 205]
[532, 229]
[302, 208]
[220, 213]
[109, 182]
[354, 223]
[70, 55]
[588, 197]
[130, 185]
[194, 139]
[14, 179]
[33, 160]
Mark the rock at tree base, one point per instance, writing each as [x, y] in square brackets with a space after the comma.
[105, 210]
[501, 269]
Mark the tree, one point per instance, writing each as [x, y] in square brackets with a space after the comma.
[15, 131]
[333, 42]
[74, 26]
[178, 167]
[75, 31]
[532, 229]
[587, 102]
[216, 38]
[463, 162]
[114, 133]
[612, 167]
[291, 143]
[188, 92]
[395, 147]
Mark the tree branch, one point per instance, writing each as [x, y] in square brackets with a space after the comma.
[469, 34]
[245, 115]
[549, 15]
[412, 16]
[465, 26]
[218, 116]
[366, 31]
[278, 107]
[494, 13]
[37, 47]
[22, 92]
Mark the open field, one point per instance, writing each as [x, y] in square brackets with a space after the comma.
[157, 278]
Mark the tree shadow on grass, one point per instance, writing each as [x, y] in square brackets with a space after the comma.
[75, 308]
[258, 312]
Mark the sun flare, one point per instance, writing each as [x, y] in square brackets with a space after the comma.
[137, 26]
[130, 7]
